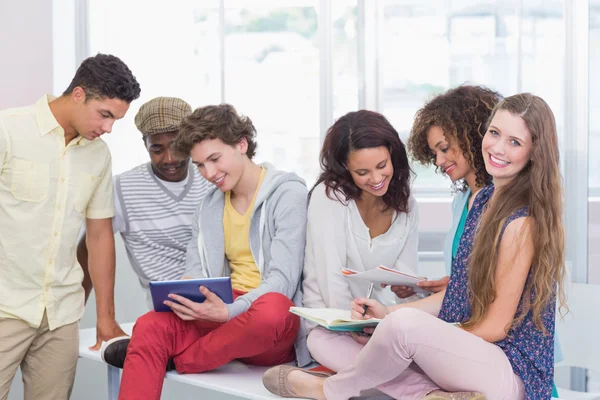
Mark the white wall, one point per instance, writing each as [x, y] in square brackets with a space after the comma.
[26, 51]
[26, 66]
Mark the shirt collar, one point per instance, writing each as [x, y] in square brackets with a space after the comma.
[81, 141]
[45, 119]
[47, 123]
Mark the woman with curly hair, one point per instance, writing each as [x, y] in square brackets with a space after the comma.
[489, 334]
[447, 133]
[360, 216]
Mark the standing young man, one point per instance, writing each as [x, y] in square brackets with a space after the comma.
[54, 176]
[155, 201]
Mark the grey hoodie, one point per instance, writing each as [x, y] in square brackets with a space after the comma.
[277, 241]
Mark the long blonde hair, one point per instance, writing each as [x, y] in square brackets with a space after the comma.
[538, 186]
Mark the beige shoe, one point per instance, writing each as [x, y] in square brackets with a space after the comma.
[441, 395]
[276, 380]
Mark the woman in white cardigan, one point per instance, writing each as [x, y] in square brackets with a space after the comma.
[360, 216]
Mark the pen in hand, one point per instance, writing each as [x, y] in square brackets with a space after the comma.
[369, 293]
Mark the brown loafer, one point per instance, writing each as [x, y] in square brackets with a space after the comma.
[441, 395]
[276, 380]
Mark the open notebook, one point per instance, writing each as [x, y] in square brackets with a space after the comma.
[386, 276]
[334, 319]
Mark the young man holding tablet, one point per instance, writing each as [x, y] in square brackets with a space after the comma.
[252, 228]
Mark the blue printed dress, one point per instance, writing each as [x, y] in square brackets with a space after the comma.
[530, 352]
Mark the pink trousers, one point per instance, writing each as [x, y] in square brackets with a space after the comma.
[410, 354]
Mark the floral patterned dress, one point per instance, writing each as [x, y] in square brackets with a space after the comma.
[529, 350]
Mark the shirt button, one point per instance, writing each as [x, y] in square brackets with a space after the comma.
[62, 180]
[55, 233]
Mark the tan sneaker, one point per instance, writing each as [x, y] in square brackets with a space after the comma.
[441, 395]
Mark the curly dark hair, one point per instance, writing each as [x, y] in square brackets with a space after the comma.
[363, 130]
[215, 122]
[462, 113]
[105, 76]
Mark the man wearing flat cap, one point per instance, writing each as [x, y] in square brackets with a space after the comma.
[154, 202]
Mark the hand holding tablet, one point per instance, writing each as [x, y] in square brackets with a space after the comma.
[189, 289]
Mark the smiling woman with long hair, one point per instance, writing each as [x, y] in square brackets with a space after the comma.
[368, 131]
[490, 334]
[360, 216]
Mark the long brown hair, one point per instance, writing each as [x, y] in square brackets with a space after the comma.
[538, 187]
[357, 130]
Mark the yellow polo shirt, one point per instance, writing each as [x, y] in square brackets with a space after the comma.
[47, 190]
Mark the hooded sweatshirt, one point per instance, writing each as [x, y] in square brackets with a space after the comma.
[277, 239]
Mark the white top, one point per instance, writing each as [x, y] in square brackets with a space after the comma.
[337, 237]
[118, 221]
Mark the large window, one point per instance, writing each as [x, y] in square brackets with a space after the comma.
[272, 76]
[344, 56]
[431, 46]
[294, 66]
[172, 50]
[266, 60]
[543, 56]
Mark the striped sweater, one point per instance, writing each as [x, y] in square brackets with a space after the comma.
[157, 225]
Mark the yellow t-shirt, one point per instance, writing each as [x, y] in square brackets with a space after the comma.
[244, 272]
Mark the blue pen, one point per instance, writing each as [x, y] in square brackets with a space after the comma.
[369, 293]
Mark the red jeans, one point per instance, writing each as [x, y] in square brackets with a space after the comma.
[263, 335]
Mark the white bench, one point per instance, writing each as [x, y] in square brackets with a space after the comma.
[235, 378]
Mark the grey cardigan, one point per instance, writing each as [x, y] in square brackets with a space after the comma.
[277, 241]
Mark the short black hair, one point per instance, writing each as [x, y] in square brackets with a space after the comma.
[105, 76]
